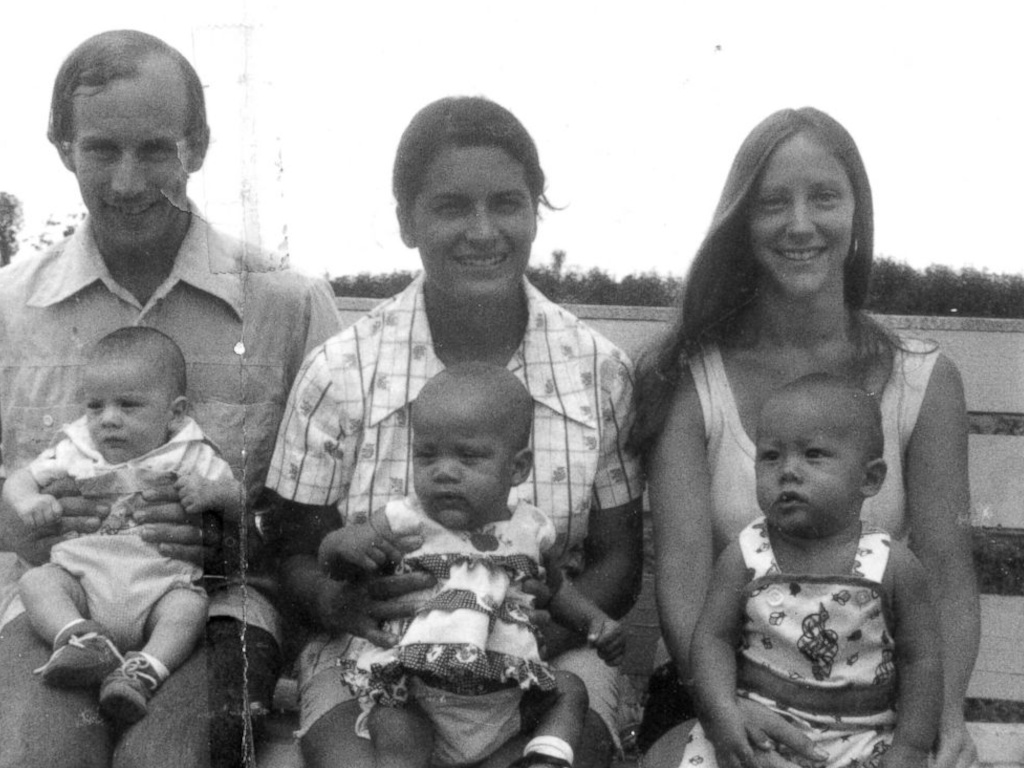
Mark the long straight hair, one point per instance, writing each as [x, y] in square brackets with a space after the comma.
[723, 279]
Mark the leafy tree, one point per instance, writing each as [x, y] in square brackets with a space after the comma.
[11, 220]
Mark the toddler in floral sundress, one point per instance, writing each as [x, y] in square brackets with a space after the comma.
[449, 692]
[833, 622]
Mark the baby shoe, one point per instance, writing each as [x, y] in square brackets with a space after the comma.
[125, 692]
[83, 656]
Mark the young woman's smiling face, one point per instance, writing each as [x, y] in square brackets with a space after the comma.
[801, 220]
[473, 222]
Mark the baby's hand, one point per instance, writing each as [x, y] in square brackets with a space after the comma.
[39, 510]
[198, 494]
[356, 547]
[607, 636]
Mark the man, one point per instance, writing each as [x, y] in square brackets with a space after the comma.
[128, 119]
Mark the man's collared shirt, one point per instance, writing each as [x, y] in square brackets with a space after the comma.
[242, 319]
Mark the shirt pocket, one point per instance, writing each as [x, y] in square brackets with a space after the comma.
[28, 431]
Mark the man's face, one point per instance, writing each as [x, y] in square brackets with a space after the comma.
[130, 156]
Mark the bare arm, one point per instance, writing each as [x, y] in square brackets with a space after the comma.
[571, 608]
[337, 606]
[679, 484]
[614, 558]
[358, 548]
[78, 515]
[714, 661]
[938, 507]
[35, 508]
[918, 660]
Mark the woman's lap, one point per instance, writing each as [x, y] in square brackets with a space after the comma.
[328, 712]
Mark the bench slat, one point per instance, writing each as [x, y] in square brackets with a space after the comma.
[991, 364]
[997, 480]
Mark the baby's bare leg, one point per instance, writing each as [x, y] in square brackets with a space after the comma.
[401, 738]
[560, 725]
[175, 626]
[53, 599]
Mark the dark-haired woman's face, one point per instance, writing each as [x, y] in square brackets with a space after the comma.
[801, 219]
[473, 222]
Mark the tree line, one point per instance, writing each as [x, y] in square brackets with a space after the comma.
[896, 288]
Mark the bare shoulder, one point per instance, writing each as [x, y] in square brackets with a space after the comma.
[685, 411]
[946, 373]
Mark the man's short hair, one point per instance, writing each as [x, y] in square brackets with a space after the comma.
[118, 55]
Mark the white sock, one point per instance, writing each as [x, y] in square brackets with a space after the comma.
[158, 666]
[552, 746]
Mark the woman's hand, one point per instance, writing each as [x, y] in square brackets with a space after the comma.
[358, 607]
[773, 738]
[609, 638]
[903, 756]
[956, 747]
[727, 731]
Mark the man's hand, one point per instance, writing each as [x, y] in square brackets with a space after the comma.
[176, 534]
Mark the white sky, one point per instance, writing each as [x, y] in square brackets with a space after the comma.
[637, 113]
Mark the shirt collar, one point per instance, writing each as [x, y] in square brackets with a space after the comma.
[549, 360]
[207, 260]
[78, 433]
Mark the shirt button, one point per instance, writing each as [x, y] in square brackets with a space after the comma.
[775, 597]
[47, 420]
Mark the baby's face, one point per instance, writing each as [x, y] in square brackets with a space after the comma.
[463, 467]
[129, 410]
[811, 467]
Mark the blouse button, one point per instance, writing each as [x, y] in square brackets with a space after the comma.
[47, 420]
[775, 598]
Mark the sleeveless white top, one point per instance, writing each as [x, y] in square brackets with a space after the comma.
[731, 452]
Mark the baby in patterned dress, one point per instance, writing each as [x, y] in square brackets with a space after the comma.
[833, 622]
[121, 615]
[450, 690]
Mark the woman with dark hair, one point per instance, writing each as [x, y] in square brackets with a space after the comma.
[776, 292]
[468, 185]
